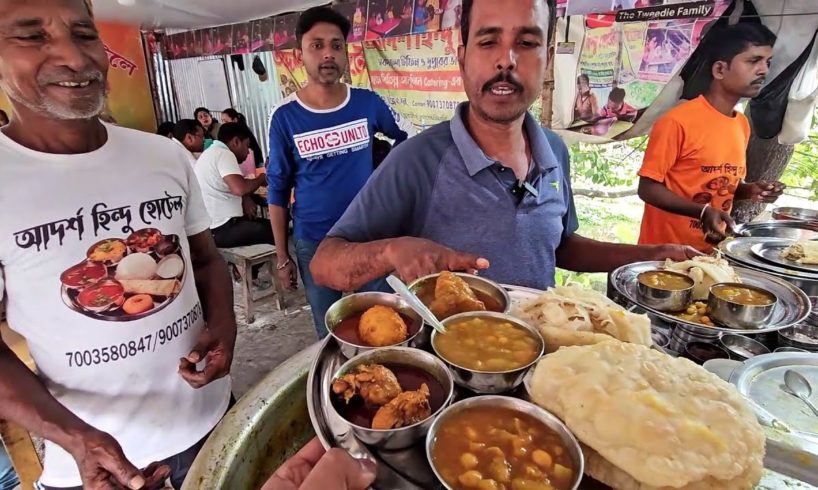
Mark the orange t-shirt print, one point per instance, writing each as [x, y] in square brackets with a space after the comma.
[699, 154]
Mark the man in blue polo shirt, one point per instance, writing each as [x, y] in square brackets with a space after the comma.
[321, 146]
[491, 182]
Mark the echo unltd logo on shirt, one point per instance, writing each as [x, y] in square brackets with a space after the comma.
[339, 139]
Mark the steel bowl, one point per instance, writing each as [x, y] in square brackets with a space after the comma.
[481, 284]
[660, 339]
[801, 336]
[360, 302]
[487, 382]
[403, 437]
[742, 348]
[789, 349]
[737, 315]
[516, 404]
[669, 300]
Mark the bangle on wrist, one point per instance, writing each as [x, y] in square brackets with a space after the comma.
[701, 215]
[283, 265]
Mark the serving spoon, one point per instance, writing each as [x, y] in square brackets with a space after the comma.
[799, 386]
[415, 303]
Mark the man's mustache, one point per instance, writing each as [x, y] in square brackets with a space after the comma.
[503, 77]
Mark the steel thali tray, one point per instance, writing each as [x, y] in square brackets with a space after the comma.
[772, 250]
[409, 469]
[739, 250]
[793, 304]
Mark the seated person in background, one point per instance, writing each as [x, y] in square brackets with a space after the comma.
[223, 188]
[190, 135]
[165, 129]
[256, 155]
[210, 125]
[695, 162]
[617, 108]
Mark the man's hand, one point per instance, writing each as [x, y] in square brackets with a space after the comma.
[216, 351]
[760, 191]
[287, 274]
[676, 253]
[417, 257]
[313, 469]
[103, 465]
[717, 225]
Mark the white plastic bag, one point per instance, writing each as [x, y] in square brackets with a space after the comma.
[801, 101]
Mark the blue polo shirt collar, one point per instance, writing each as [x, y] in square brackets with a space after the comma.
[476, 160]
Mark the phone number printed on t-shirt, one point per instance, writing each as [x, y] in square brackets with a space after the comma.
[147, 343]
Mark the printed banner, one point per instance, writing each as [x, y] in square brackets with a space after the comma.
[664, 12]
[417, 75]
[624, 66]
[358, 72]
[355, 12]
[130, 102]
[389, 18]
[291, 73]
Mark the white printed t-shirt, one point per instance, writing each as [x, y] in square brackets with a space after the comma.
[216, 163]
[111, 360]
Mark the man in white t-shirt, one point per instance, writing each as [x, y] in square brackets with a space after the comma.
[189, 134]
[224, 189]
[110, 278]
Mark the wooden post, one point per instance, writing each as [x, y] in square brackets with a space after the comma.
[22, 453]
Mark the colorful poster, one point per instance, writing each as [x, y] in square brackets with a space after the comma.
[426, 16]
[600, 108]
[389, 18]
[290, 72]
[358, 71]
[668, 45]
[241, 38]
[417, 75]
[452, 10]
[285, 31]
[129, 102]
[355, 13]
[224, 42]
[129, 94]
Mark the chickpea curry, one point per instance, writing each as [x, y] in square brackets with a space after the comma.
[487, 344]
[491, 448]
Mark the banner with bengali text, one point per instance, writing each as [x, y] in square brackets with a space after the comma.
[417, 75]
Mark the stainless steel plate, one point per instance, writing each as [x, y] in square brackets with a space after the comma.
[739, 250]
[406, 469]
[761, 379]
[793, 304]
[772, 250]
[792, 229]
[790, 213]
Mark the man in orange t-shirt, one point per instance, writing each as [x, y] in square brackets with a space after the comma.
[695, 164]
